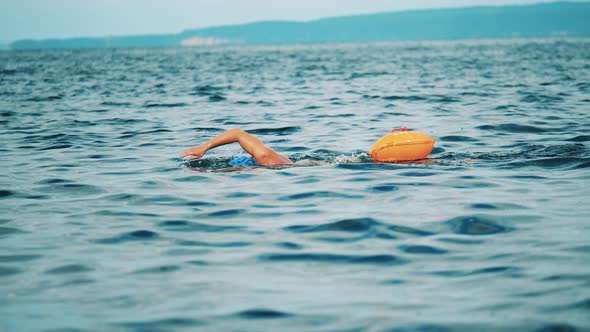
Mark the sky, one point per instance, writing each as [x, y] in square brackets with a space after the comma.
[38, 19]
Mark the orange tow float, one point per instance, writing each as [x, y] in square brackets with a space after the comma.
[402, 144]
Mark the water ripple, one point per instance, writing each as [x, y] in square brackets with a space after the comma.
[475, 225]
[275, 131]
[317, 194]
[333, 258]
[139, 235]
[166, 324]
[262, 314]
[187, 226]
[347, 225]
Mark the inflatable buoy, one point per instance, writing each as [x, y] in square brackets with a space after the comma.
[401, 144]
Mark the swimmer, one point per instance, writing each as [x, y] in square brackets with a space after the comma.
[262, 154]
[397, 146]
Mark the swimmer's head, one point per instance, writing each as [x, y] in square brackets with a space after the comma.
[401, 144]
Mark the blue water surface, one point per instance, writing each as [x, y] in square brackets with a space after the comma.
[104, 228]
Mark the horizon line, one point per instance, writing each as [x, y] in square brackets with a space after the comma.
[540, 2]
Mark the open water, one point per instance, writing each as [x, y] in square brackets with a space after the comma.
[104, 228]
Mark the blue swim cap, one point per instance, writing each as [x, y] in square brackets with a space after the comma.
[243, 161]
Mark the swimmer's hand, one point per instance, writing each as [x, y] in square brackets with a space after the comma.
[194, 153]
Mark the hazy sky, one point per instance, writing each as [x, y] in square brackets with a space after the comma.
[73, 18]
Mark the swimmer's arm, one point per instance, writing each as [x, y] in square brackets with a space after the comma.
[250, 143]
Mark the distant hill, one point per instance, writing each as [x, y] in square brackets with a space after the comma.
[571, 19]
